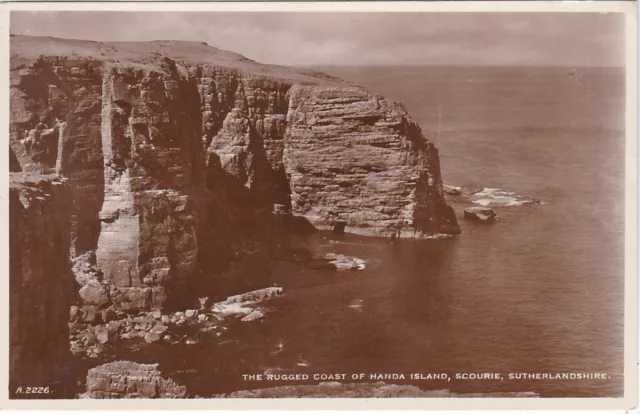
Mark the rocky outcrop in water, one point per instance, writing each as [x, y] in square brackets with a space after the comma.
[174, 150]
[481, 214]
[126, 379]
[343, 262]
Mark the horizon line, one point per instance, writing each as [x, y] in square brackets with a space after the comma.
[328, 64]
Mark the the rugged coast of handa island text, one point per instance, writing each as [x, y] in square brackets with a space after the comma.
[140, 169]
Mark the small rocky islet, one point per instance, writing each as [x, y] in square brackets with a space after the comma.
[479, 202]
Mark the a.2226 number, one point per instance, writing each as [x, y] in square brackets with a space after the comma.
[33, 390]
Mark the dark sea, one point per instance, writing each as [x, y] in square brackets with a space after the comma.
[538, 291]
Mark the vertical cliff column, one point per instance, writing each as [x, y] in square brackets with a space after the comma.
[41, 286]
[117, 252]
[148, 239]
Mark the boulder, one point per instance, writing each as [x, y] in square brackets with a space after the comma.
[102, 335]
[159, 328]
[343, 262]
[190, 313]
[73, 313]
[253, 316]
[89, 313]
[151, 337]
[203, 302]
[481, 214]
[94, 294]
[452, 190]
[281, 209]
[126, 379]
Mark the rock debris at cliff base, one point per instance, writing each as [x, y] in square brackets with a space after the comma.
[123, 330]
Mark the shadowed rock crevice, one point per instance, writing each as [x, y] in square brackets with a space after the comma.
[41, 285]
[14, 164]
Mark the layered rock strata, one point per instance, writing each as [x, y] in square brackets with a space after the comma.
[126, 379]
[357, 163]
[173, 149]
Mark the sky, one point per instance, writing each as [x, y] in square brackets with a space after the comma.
[319, 39]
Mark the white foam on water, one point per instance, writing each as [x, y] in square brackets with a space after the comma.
[437, 236]
[495, 197]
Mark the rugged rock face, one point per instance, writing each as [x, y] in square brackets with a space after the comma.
[125, 379]
[40, 284]
[358, 162]
[172, 149]
[150, 154]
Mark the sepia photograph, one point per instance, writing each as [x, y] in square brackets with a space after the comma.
[257, 204]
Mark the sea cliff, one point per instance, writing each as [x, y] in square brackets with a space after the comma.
[169, 152]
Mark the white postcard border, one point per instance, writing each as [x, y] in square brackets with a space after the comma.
[631, 213]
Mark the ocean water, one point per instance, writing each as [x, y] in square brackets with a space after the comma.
[540, 290]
